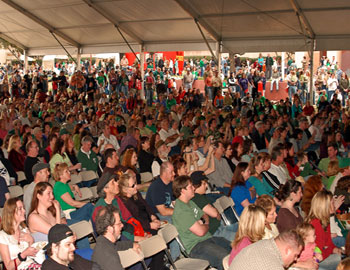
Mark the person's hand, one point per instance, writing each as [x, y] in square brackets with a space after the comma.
[136, 247]
[310, 264]
[211, 149]
[319, 257]
[29, 251]
[338, 201]
[56, 204]
[195, 157]
[337, 251]
[77, 166]
[26, 237]
[155, 225]
[102, 141]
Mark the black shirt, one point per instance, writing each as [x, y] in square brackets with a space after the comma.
[79, 263]
[28, 165]
[145, 161]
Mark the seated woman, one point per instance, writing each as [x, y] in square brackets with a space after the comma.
[237, 151]
[70, 151]
[322, 206]
[73, 209]
[130, 161]
[228, 156]
[256, 166]
[15, 239]
[250, 229]
[44, 213]
[145, 157]
[16, 155]
[269, 205]
[59, 155]
[288, 216]
[243, 193]
[137, 206]
[49, 149]
[247, 151]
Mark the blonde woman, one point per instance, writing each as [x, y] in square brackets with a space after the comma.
[268, 204]
[16, 156]
[332, 171]
[322, 206]
[250, 230]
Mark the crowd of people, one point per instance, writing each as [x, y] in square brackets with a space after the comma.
[285, 165]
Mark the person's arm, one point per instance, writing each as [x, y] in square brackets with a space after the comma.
[164, 211]
[38, 224]
[245, 203]
[211, 168]
[11, 264]
[69, 200]
[199, 228]
[7, 196]
[211, 211]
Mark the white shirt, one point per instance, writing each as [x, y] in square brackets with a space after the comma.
[111, 140]
[332, 84]
[279, 172]
[318, 137]
[156, 167]
[165, 134]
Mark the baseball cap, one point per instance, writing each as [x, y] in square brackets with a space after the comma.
[104, 180]
[58, 233]
[197, 177]
[36, 130]
[39, 166]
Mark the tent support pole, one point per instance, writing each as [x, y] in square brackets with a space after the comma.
[205, 39]
[142, 69]
[59, 42]
[78, 59]
[311, 86]
[25, 52]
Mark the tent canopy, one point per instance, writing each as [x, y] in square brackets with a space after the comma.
[238, 26]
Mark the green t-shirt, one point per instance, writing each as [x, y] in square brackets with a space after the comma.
[184, 216]
[58, 190]
[201, 201]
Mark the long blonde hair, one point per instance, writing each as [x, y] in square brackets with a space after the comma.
[8, 216]
[251, 224]
[13, 142]
[320, 207]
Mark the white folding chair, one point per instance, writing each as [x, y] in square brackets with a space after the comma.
[15, 191]
[82, 229]
[94, 192]
[169, 233]
[21, 176]
[130, 257]
[225, 262]
[86, 194]
[221, 204]
[88, 175]
[75, 179]
[152, 246]
[146, 177]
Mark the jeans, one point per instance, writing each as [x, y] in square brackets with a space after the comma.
[330, 263]
[174, 246]
[83, 213]
[124, 89]
[291, 91]
[149, 97]
[213, 250]
[277, 84]
[339, 241]
[211, 92]
[227, 231]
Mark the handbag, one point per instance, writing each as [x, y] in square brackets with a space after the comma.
[138, 230]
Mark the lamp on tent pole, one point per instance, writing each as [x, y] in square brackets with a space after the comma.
[126, 41]
[68, 54]
[205, 39]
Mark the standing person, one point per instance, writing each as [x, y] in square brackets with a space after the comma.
[188, 80]
[60, 251]
[269, 64]
[275, 79]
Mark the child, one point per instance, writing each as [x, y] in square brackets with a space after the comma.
[344, 264]
[310, 251]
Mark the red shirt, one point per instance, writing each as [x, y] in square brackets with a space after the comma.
[323, 238]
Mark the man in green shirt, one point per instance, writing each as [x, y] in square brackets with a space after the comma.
[193, 226]
[87, 158]
[332, 155]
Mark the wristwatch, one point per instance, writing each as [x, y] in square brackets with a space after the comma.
[20, 257]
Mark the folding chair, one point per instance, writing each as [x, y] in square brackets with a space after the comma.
[21, 176]
[75, 179]
[130, 257]
[82, 229]
[222, 204]
[146, 177]
[86, 194]
[169, 233]
[15, 191]
[94, 192]
[225, 262]
[88, 175]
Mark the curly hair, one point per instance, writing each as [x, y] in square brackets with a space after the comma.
[311, 187]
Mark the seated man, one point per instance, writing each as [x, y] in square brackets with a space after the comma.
[193, 226]
[60, 251]
[276, 168]
[109, 227]
[162, 156]
[86, 156]
[278, 253]
[216, 225]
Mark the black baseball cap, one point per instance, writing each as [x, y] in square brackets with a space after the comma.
[58, 233]
[197, 177]
[104, 180]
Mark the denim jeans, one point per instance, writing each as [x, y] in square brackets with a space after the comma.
[330, 263]
[210, 92]
[83, 213]
[213, 250]
[149, 97]
[291, 91]
[227, 231]
[124, 89]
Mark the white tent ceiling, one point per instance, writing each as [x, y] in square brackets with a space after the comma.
[169, 25]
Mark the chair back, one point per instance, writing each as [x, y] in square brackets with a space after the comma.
[152, 246]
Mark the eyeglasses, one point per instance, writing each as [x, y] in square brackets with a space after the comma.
[134, 185]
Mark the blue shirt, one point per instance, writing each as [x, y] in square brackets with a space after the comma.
[261, 187]
[158, 194]
[241, 193]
